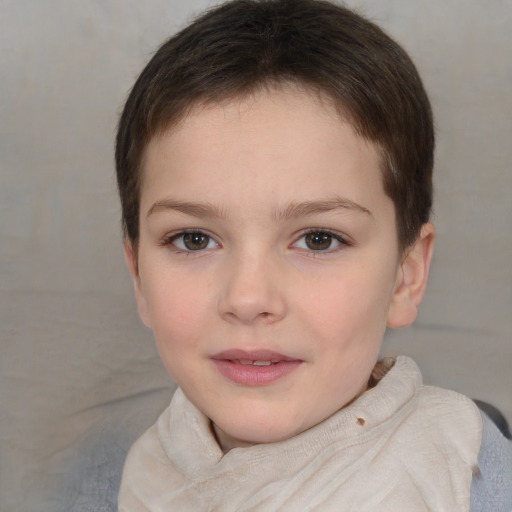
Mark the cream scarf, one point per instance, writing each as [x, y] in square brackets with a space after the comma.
[400, 447]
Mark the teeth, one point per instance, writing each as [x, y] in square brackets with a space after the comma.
[254, 363]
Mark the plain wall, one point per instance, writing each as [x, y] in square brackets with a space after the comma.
[76, 365]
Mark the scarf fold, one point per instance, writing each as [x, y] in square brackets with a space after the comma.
[401, 446]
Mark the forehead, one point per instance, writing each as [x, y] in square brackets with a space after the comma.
[287, 141]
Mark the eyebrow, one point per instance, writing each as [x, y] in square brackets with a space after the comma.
[200, 210]
[306, 208]
[293, 210]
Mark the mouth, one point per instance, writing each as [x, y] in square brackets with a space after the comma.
[254, 368]
[255, 363]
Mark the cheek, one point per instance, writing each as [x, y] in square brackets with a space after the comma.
[351, 305]
[173, 296]
[177, 310]
[177, 336]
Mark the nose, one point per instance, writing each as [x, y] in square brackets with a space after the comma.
[252, 291]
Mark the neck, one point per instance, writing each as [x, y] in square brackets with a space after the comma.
[227, 442]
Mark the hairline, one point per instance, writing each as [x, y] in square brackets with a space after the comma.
[160, 126]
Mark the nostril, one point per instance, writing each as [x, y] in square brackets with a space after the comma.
[250, 301]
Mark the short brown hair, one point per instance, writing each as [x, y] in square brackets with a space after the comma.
[243, 45]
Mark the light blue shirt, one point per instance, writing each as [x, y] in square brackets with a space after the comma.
[491, 489]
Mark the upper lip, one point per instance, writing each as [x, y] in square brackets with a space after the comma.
[252, 355]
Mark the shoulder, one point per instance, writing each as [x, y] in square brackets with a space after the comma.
[145, 459]
[433, 417]
[491, 489]
[453, 420]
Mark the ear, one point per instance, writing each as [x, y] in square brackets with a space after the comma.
[130, 256]
[412, 279]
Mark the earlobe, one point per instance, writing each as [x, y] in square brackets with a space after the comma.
[412, 279]
[130, 256]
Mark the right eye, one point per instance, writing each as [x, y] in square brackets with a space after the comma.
[321, 241]
[192, 241]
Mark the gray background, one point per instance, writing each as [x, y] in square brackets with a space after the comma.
[77, 369]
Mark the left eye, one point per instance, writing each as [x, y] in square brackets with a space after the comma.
[319, 241]
[193, 241]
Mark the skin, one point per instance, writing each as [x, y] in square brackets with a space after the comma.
[251, 178]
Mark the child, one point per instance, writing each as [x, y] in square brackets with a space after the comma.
[274, 163]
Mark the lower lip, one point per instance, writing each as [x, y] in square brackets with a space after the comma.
[250, 375]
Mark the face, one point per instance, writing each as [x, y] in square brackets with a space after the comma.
[268, 262]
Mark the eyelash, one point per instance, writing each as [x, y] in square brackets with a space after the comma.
[334, 237]
[170, 240]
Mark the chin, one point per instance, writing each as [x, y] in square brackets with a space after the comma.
[244, 435]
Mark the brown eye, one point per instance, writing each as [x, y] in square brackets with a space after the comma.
[319, 241]
[195, 241]
[192, 241]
